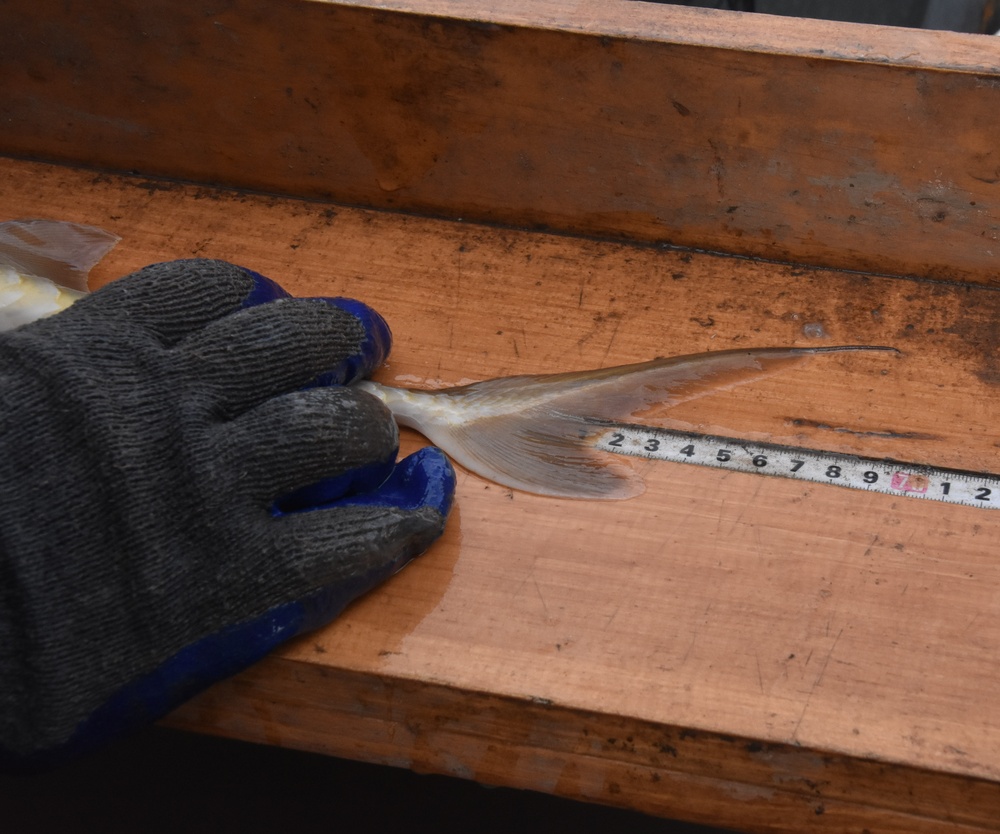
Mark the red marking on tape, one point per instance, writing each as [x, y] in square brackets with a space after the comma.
[910, 482]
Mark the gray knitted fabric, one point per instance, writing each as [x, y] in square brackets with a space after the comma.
[144, 436]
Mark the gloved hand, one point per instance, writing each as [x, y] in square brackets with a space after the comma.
[185, 483]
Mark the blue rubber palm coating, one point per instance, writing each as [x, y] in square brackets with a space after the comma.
[329, 491]
[426, 479]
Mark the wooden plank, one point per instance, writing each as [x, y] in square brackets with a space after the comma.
[818, 658]
[835, 144]
[740, 783]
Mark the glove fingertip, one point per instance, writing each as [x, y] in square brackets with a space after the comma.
[424, 479]
[430, 478]
[263, 291]
[373, 350]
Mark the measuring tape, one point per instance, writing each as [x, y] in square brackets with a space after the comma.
[953, 486]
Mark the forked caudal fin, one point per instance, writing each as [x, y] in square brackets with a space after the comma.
[536, 433]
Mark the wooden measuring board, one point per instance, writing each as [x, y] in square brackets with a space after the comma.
[759, 653]
[725, 648]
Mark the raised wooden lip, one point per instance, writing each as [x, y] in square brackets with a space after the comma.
[721, 29]
[831, 144]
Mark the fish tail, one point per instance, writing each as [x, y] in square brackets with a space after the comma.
[545, 443]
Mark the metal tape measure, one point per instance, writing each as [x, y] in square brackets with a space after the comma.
[911, 480]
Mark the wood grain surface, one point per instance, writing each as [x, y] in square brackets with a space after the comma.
[834, 144]
[746, 651]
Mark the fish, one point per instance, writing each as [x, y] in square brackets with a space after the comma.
[534, 433]
[537, 433]
[44, 266]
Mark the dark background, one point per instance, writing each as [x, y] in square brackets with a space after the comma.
[164, 781]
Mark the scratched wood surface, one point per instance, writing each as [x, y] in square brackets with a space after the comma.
[746, 651]
[826, 143]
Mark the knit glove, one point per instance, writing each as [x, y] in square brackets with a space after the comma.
[185, 483]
